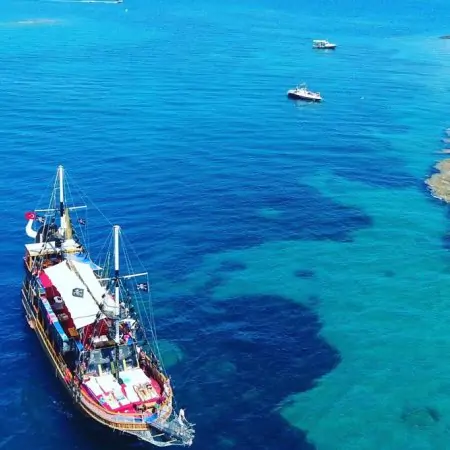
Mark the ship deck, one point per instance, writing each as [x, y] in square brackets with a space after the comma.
[136, 392]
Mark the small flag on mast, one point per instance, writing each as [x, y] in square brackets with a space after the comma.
[142, 287]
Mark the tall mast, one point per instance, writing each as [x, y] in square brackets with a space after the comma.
[61, 200]
[116, 281]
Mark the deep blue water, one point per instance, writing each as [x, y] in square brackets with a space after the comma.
[173, 119]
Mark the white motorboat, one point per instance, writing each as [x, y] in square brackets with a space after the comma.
[302, 93]
[323, 44]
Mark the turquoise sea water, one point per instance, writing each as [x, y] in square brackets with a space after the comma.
[300, 268]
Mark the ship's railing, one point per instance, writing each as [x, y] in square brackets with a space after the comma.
[166, 407]
[182, 431]
[115, 420]
[57, 360]
[138, 421]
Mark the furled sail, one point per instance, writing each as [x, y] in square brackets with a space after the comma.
[69, 229]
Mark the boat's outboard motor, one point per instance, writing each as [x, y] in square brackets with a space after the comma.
[47, 233]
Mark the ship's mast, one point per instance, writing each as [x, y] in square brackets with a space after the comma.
[116, 295]
[116, 281]
[61, 200]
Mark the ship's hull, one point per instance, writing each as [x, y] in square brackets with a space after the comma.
[141, 431]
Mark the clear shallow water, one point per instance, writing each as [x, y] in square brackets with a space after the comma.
[298, 264]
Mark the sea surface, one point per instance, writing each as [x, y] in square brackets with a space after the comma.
[300, 269]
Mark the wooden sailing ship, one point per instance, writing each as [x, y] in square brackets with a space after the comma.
[89, 319]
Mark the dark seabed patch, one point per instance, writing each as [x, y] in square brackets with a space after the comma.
[213, 282]
[304, 273]
[369, 166]
[226, 220]
[231, 266]
[389, 273]
[313, 301]
[446, 236]
[420, 416]
[254, 355]
[446, 241]
[377, 175]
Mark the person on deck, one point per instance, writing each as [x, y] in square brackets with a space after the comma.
[181, 417]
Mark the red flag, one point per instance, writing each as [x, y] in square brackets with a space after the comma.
[30, 215]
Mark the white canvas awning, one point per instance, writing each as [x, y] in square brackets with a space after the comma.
[98, 291]
[87, 274]
[75, 292]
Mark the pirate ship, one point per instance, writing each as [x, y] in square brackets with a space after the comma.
[92, 322]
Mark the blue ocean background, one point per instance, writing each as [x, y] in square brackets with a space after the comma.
[299, 266]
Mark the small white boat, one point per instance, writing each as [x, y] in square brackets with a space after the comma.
[323, 44]
[302, 93]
